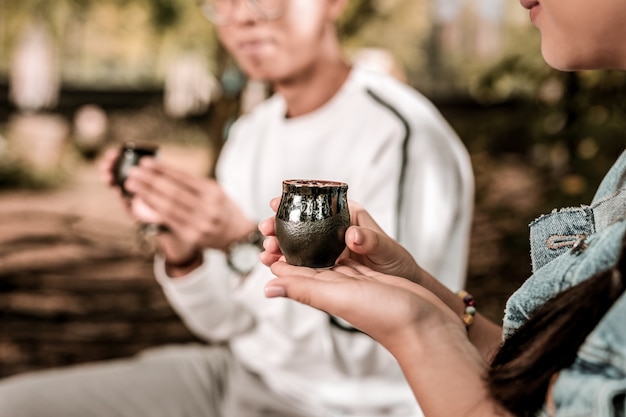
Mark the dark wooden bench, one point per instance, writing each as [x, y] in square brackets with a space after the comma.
[74, 290]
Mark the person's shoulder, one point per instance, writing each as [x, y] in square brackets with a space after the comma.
[392, 92]
[395, 95]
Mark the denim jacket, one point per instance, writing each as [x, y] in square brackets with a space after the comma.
[569, 246]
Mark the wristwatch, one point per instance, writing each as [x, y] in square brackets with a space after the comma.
[243, 254]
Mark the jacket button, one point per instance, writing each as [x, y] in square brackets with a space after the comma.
[580, 245]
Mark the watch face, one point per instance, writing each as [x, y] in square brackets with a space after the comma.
[244, 257]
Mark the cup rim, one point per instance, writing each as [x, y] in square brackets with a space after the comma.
[140, 147]
[310, 183]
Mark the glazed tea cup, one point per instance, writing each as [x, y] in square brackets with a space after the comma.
[311, 221]
[130, 154]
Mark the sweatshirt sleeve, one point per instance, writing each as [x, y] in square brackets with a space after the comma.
[204, 298]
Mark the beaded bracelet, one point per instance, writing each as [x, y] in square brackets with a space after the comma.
[470, 308]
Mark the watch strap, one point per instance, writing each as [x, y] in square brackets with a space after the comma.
[253, 239]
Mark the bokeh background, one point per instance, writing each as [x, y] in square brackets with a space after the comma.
[78, 76]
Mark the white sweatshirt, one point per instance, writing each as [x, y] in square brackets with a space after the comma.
[382, 138]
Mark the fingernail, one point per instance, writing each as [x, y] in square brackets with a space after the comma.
[275, 291]
[358, 237]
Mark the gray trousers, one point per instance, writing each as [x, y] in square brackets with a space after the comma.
[175, 381]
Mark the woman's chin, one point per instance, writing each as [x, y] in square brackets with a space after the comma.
[563, 61]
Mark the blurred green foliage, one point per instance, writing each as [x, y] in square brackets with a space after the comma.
[569, 125]
[14, 175]
[357, 13]
[123, 43]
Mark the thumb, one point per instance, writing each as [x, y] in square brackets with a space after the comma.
[380, 252]
[363, 241]
[274, 203]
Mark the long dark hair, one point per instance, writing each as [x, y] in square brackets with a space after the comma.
[548, 342]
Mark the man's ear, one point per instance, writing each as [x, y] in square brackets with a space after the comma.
[336, 8]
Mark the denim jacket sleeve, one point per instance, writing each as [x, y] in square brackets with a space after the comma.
[595, 384]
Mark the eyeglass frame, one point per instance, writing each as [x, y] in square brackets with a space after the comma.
[209, 12]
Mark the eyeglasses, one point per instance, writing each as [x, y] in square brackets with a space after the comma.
[220, 11]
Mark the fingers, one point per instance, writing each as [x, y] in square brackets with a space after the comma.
[105, 170]
[342, 291]
[194, 208]
[154, 177]
[379, 251]
[268, 258]
[170, 193]
[283, 268]
[274, 202]
[363, 241]
[306, 285]
[143, 212]
[271, 252]
[267, 226]
[180, 178]
[338, 272]
[105, 167]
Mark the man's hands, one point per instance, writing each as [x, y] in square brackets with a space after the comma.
[195, 211]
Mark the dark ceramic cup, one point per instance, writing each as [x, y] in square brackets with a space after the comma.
[311, 222]
[130, 154]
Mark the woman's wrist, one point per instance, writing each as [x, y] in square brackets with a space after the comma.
[439, 358]
[414, 342]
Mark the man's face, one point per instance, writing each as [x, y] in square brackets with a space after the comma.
[281, 49]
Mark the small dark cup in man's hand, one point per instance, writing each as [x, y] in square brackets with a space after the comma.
[130, 154]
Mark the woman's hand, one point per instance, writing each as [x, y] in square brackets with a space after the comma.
[390, 309]
[366, 243]
[427, 338]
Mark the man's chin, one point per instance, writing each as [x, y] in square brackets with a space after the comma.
[261, 70]
[259, 74]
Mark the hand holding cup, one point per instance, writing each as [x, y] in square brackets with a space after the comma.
[129, 156]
